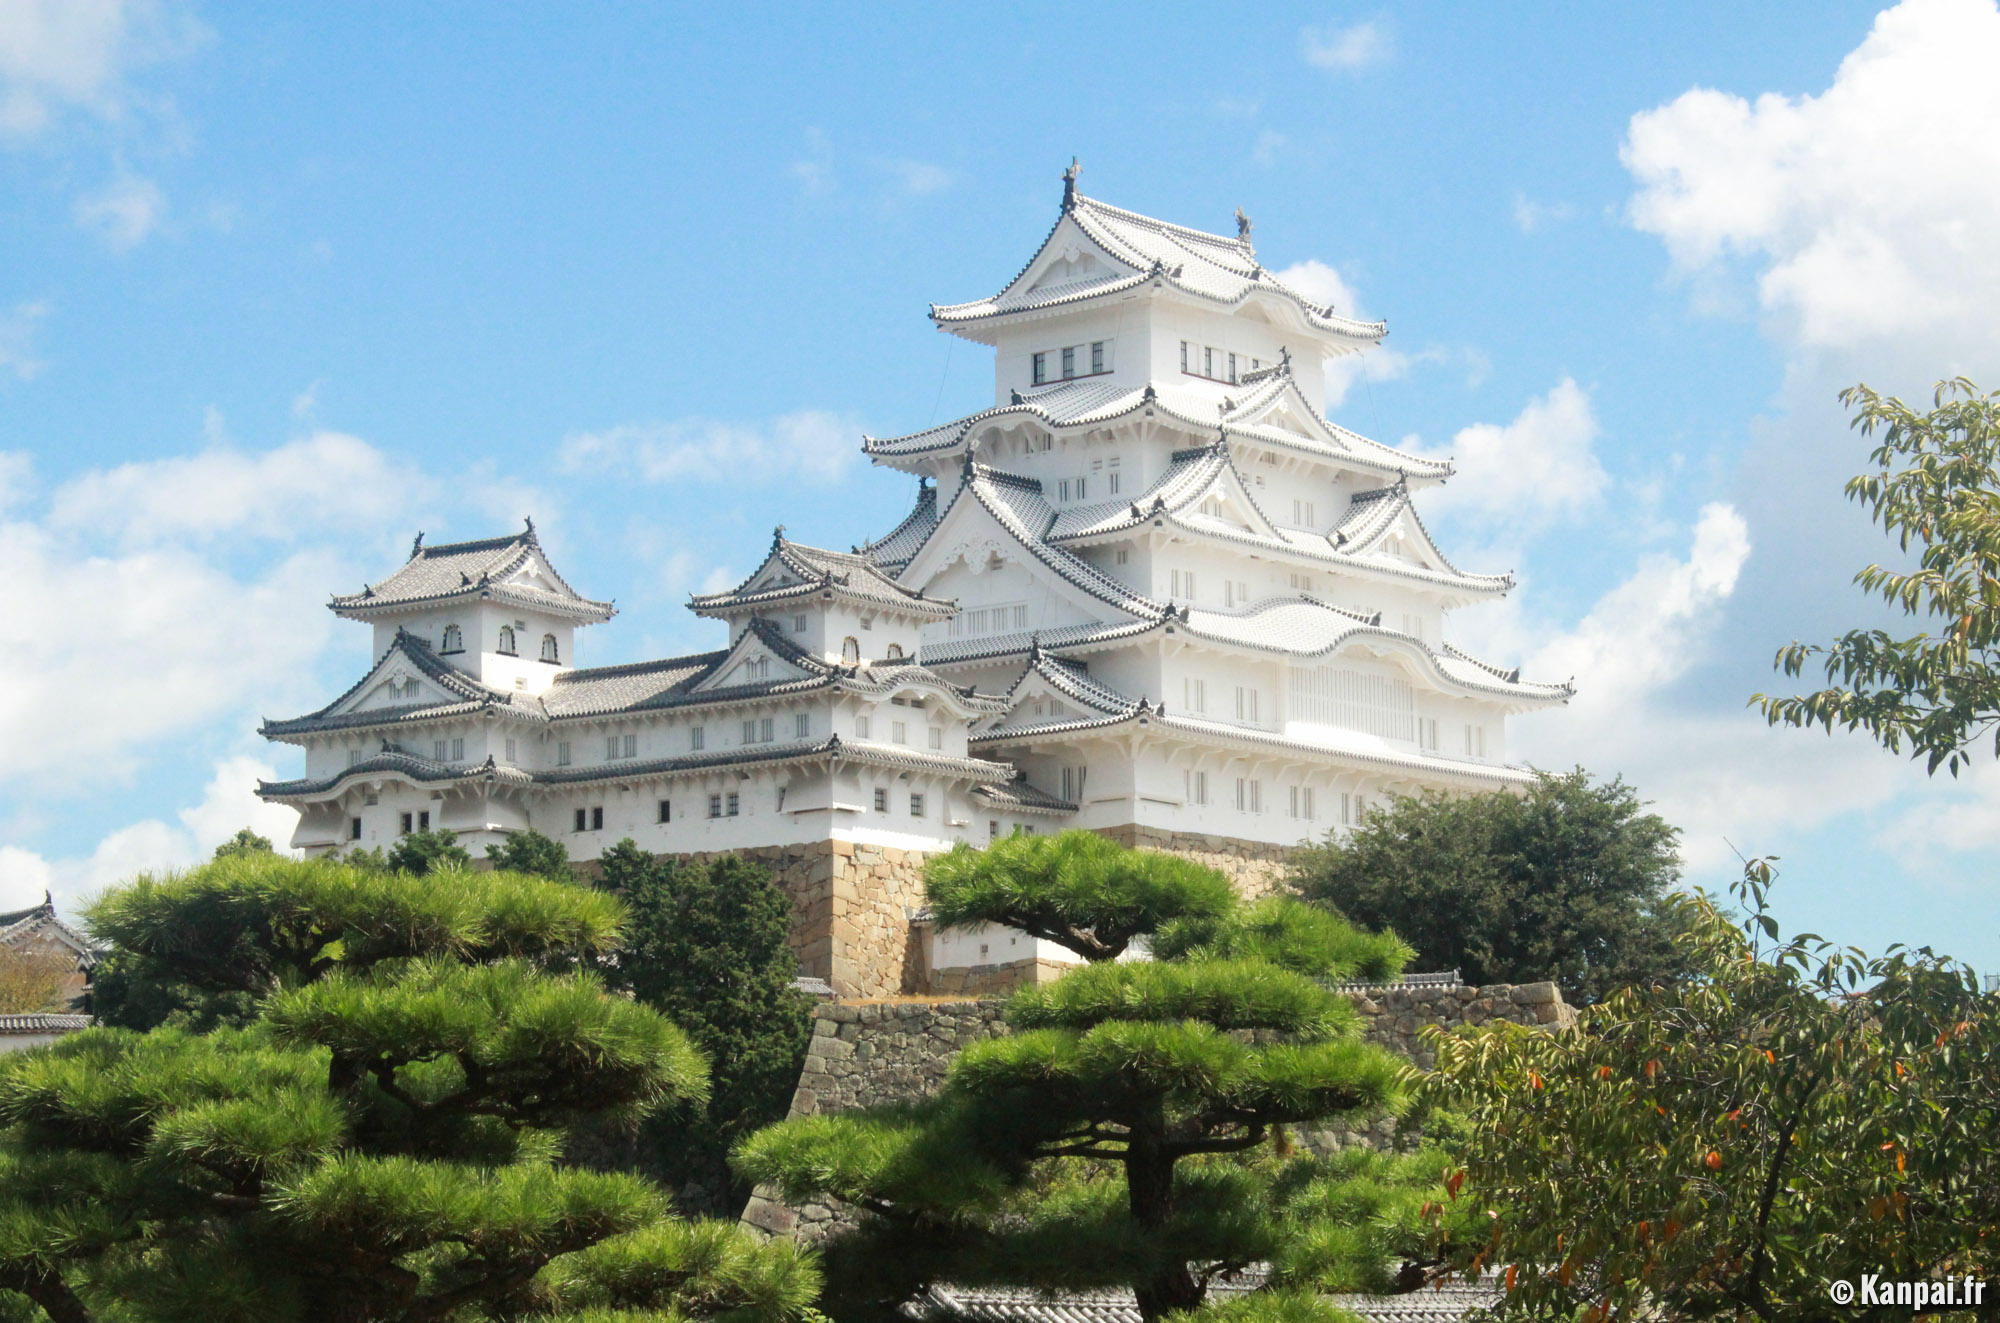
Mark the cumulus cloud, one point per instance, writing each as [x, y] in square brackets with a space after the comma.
[58, 55]
[1346, 49]
[1323, 285]
[809, 443]
[1526, 474]
[1868, 207]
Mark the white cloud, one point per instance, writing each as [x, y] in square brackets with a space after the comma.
[1868, 207]
[25, 877]
[1531, 217]
[1526, 474]
[918, 178]
[1346, 49]
[17, 476]
[17, 340]
[1269, 147]
[1323, 284]
[124, 212]
[61, 54]
[809, 443]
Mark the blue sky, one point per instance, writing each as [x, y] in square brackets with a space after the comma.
[279, 287]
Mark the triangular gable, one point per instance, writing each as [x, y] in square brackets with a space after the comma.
[982, 526]
[1069, 256]
[755, 659]
[408, 675]
[1224, 499]
[1054, 690]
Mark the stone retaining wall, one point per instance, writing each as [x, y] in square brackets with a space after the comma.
[871, 1053]
[1255, 867]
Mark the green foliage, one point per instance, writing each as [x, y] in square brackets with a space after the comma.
[1562, 881]
[708, 947]
[533, 853]
[1126, 1131]
[1935, 487]
[382, 1140]
[244, 841]
[420, 853]
[1291, 934]
[1076, 889]
[1727, 1145]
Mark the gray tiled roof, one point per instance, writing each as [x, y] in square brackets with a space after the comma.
[21, 925]
[600, 689]
[1020, 797]
[1017, 503]
[43, 1022]
[471, 696]
[793, 570]
[1443, 1302]
[1209, 266]
[473, 569]
[894, 550]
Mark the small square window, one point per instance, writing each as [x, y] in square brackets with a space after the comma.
[562, 753]
[798, 624]
[354, 829]
[734, 803]
[715, 806]
[861, 725]
[802, 725]
[458, 750]
[916, 806]
[881, 800]
[437, 751]
[698, 738]
[899, 732]
[666, 810]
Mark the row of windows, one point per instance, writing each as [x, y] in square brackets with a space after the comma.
[916, 802]
[1198, 360]
[899, 732]
[1092, 360]
[454, 641]
[1250, 798]
[1011, 616]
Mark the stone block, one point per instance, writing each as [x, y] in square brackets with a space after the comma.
[1536, 994]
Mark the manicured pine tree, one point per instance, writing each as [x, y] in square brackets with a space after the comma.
[1127, 1131]
[533, 853]
[383, 1141]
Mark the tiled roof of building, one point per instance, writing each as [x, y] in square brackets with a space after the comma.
[1443, 1302]
[1210, 267]
[426, 770]
[477, 569]
[1020, 797]
[43, 1022]
[894, 550]
[41, 920]
[470, 695]
[793, 570]
[1020, 507]
[594, 690]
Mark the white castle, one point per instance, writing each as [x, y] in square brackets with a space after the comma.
[1152, 592]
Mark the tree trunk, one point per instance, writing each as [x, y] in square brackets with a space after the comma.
[46, 1288]
[1149, 1186]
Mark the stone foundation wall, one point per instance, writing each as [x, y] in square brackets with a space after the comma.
[1256, 868]
[867, 1054]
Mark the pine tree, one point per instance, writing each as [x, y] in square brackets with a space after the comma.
[531, 852]
[1128, 1130]
[422, 852]
[707, 946]
[383, 1142]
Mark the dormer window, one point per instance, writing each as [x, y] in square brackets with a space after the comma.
[454, 640]
[506, 645]
[895, 652]
[549, 649]
[850, 651]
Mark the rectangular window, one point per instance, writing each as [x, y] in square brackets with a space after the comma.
[899, 731]
[583, 819]
[354, 756]
[715, 806]
[610, 746]
[916, 806]
[1081, 493]
[424, 820]
[1041, 368]
[1096, 356]
[781, 799]
[1194, 694]
[437, 751]
[1069, 362]
[1246, 703]
[1112, 484]
[458, 750]
[764, 729]
[1249, 795]
[697, 738]
[1183, 585]
[1208, 361]
[631, 746]
[597, 819]
[798, 624]
[861, 727]
[937, 737]
[1197, 787]
[802, 725]
[666, 810]
[1302, 582]
[354, 829]
[1123, 555]
[1184, 355]
[1232, 369]
[1475, 741]
[1062, 490]
[881, 800]
[750, 731]
[733, 803]
[562, 753]
[992, 828]
[1072, 783]
[1302, 802]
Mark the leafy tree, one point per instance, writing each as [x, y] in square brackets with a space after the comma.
[383, 1142]
[423, 852]
[32, 980]
[244, 841]
[1563, 881]
[1728, 1145]
[1935, 487]
[708, 947]
[531, 852]
[1125, 1133]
